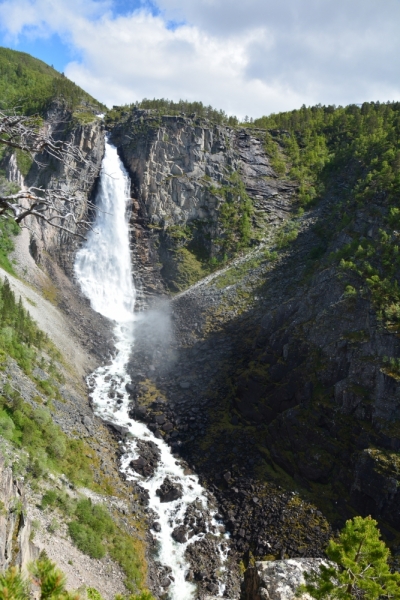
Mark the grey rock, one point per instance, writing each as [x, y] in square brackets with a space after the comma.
[165, 582]
[15, 528]
[277, 580]
[88, 423]
[169, 491]
[117, 427]
[179, 534]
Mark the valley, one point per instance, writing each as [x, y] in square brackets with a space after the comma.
[226, 351]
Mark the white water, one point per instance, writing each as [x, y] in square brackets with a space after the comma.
[103, 269]
[103, 265]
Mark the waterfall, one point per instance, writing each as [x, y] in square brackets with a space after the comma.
[103, 269]
[103, 265]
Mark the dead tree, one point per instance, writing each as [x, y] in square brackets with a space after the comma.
[56, 207]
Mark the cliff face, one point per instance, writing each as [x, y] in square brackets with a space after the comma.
[50, 173]
[79, 178]
[277, 375]
[44, 255]
[183, 173]
[16, 548]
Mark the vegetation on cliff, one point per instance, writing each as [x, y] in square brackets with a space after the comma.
[20, 337]
[48, 582]
[357, 148]
[163, 106]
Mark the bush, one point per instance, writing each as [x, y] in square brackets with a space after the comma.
[87, 540]
[93, 594]
[49, 498]
[92, 528]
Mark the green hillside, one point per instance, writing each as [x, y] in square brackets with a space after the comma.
[356, 149]
[30, 84]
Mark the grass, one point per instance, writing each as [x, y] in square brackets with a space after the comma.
[20, 337]
[189, 269]
[95, 533]
[49, 449]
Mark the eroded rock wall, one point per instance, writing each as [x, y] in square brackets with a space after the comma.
[16, 548]
[178, 167]
[76, 179]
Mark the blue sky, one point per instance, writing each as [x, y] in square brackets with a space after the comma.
[52, 50]
[252, 57]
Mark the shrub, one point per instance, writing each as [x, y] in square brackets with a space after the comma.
[87, 540]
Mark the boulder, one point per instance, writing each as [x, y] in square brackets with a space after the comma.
[169, 490]
[278, 579]
[179, 534]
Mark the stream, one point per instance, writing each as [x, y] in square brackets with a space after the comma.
[104, 272]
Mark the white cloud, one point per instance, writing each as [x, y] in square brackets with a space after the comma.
[250, 57]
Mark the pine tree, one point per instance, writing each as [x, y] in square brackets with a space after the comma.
[13, 586]
[359, 566]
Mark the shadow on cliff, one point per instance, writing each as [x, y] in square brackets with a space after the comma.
[287, 392]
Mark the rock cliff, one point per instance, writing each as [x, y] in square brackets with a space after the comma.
[16, 548]
[275, 377]
[188, 200]
[75, 178]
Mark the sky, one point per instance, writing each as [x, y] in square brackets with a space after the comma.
[248, 57]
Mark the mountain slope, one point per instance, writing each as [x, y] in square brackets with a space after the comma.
[30, 84]
[285, 371]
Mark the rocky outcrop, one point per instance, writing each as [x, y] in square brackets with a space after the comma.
[16, 547]
[181, 170]
[277, 580]
[76, 179]
[276, 382]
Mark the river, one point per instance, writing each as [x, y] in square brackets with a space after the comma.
[103, 269]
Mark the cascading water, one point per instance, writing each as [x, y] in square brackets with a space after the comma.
[103, 269]
[103, 265]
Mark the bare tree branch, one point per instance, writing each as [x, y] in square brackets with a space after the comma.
[53, 206]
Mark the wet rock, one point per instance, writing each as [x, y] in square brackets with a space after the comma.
[116, 426]
[180, 534]
[165, 582]
[213, 588]
[205, 560]
[156, 526]
[138, 412]
[169, 490]
[130, 388]
[148, 460]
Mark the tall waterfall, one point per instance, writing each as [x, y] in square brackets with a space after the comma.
[103, 265]
[103, 269]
